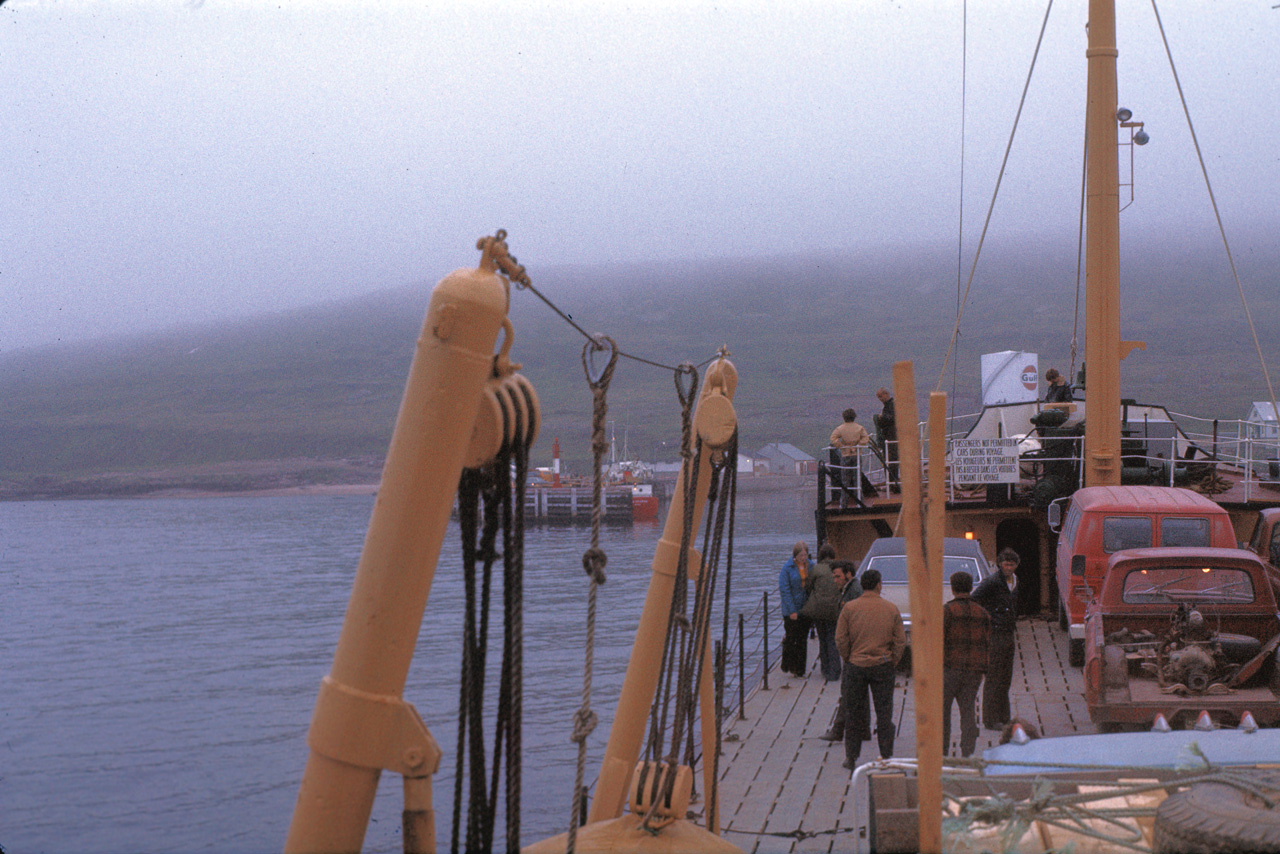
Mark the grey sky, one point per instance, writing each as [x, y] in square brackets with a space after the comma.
[165, 162]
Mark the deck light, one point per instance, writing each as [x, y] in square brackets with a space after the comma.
[968, 535]
[1124, 114]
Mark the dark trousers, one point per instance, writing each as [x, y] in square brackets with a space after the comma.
[995, 693]
[837, 721]
[795, 645]
[961, 686]
[827, 652]
[857, 682]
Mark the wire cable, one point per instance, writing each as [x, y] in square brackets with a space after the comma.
[1204, 170]
[991, 208]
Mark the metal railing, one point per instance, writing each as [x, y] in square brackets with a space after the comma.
[1196, 442]
[747, 658]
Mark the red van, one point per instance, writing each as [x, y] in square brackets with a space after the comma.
[1103, 520]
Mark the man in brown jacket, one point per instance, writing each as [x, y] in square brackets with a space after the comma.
[871, 639]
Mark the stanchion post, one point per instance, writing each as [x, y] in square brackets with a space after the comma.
[765, 621]
[742, 670]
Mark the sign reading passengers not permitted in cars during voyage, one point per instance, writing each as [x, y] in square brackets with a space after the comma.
[985, 460]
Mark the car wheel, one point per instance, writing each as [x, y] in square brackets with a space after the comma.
[1217, 817]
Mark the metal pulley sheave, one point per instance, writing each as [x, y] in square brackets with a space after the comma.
[510, 415]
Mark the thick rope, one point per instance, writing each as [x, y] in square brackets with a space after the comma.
[594, 560]
[492, 488]
[686, 381]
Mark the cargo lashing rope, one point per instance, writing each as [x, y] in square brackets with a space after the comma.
[594, 559]
[496, 491]
[683, 659]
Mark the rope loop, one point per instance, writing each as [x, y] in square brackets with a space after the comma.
[598, 376]
[686, 374]
[593, 563]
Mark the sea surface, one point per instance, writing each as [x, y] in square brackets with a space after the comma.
[159, 662]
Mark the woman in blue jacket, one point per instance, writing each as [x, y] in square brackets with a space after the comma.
[791, 583]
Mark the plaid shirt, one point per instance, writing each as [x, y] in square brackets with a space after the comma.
[966, 633]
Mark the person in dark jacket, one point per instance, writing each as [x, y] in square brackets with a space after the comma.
[887, 428]
[1058, 391]
[966, 636]
[795, 640]
[998, 594]
[822, 605]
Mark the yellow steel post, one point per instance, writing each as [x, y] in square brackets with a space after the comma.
[360, 724]
[1102, 253]
[715, 422]
[926, 638]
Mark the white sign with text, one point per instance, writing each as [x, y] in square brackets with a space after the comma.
[984, 460]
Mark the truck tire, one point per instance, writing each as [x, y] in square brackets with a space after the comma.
[1216, 817]
[1075, 652]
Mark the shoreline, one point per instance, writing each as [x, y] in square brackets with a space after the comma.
[275, 479]
[327, 489]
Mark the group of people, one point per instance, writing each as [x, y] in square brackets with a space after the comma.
[850, 437]
[861, 640]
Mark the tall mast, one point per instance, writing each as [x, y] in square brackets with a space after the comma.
[1102, 254]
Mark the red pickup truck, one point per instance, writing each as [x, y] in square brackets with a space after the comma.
[1178, 631]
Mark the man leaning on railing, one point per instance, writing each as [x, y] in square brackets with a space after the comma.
[847, 438]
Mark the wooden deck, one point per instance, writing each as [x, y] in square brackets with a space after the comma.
[783, 789]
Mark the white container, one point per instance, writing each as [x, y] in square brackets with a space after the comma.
[1010, 377]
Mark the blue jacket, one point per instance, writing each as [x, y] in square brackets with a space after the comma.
[791, 588]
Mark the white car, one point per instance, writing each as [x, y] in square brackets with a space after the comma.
[888, 556]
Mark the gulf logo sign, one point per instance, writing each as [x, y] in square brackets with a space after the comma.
[1030, 378]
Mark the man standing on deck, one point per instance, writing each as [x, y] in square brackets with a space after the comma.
[850, 589]
[966, 634]
[871, 640]
[847, 439]
[887, 426]
[998, 594]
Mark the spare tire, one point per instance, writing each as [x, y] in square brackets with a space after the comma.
[1216, 817]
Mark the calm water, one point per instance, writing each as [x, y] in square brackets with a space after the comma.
[161, 659]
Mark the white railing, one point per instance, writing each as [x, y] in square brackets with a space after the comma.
[1195, 441]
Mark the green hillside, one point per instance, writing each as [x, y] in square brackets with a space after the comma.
[320, 387]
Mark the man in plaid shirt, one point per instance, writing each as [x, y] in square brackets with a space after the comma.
[966, 633]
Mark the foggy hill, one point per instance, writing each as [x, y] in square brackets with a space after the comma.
[320, 386]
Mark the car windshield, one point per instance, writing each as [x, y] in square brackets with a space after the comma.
[893, 568]
[1203, 584]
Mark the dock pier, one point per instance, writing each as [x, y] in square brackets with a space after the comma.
[783, 789]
